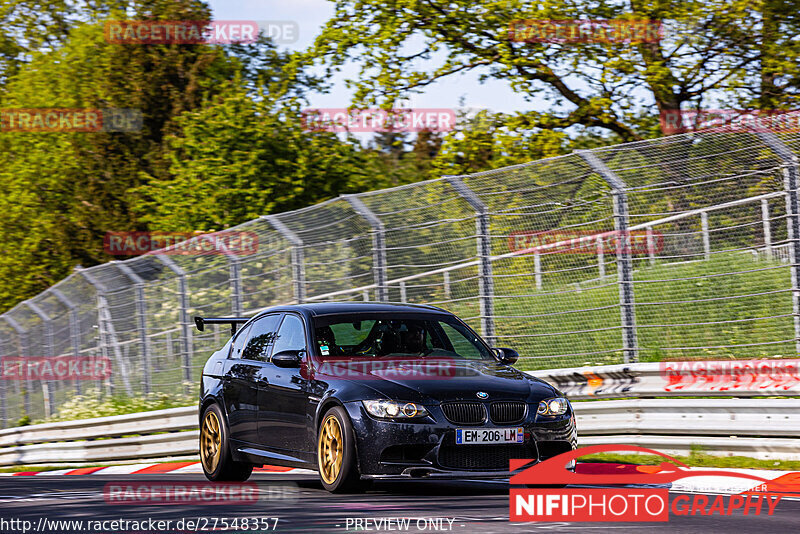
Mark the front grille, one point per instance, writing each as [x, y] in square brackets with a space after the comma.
[486, 457]
[504, 413]
[464, 413]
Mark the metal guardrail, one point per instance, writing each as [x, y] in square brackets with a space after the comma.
[155, 434]
[761, 428]
[723, 378]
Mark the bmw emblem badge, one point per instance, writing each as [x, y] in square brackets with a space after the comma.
[482, 395]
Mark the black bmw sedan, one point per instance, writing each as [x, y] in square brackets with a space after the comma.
[360, 391]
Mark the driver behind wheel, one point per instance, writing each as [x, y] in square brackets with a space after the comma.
[412, 339]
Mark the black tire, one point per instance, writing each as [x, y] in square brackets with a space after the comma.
[218, 464]
[347, 478]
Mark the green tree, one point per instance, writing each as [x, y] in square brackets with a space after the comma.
[61, 192]
[240, 157]
[713, 52]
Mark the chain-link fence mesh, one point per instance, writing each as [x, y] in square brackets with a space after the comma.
[681, 247]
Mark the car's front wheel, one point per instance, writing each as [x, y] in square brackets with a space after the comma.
[336, 451]
[215, 451]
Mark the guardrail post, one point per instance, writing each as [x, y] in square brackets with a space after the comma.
[50, 348]
[107, 332]
[298, 261]
[186, 326]
[141, 322]
[379, 262]
[486, 282]
[790, 184]
[630, 344]
[22, 339]
[74, 328]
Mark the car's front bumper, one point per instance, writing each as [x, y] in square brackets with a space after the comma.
[427, 449]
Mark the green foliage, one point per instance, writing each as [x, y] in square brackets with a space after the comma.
[722, 52]
[93, 404]
[238, 158]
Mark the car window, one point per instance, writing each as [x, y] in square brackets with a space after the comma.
[463, 342]
[291, 335]
[238, 342]
[261, 335]
[352, 333]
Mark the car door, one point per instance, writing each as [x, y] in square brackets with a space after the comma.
[284, 412]
[248, 357]
[239, 393]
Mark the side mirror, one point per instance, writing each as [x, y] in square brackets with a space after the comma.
[506, 356]
[288, 358]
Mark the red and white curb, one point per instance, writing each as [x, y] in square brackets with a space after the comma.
[191, 468]
[700, 484]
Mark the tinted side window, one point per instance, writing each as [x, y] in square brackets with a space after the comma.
[291, 336]
[464, 347]
[260, 337]
[238, 342]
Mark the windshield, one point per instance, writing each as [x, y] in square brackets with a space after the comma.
[401, 336]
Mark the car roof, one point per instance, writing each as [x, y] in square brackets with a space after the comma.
[333, 308]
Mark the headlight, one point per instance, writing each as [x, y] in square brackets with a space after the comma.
[557, 406]
[386, 409]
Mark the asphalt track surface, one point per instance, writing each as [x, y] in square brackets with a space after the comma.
[303, 506]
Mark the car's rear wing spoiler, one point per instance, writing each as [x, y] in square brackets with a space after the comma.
[201, 322]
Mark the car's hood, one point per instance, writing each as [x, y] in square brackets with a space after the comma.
[446, 380]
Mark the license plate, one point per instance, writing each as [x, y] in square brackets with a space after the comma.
[481, 436]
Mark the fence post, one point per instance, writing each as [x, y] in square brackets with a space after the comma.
[767, 227]
[74, 328]
[651, 245]
[298, 261]
[790, 170]
[379, 262]
[3, 419]
[486, 282]
[141, 322]
[706, 237]
[237, 308]
[630, 342]
[537, 269]
[3, 401]
[186, 326]
[50, 348]
[107, 332]
[22, 338]
[601, 257]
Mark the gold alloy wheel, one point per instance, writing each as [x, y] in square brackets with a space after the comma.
[210, 442]
[330, 449]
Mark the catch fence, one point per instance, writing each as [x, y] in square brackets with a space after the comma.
[683, 247]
